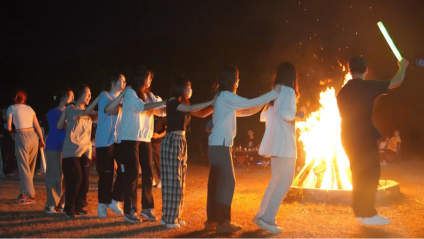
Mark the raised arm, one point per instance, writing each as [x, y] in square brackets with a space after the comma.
[398, 78]
[61, 121]
[39, 131]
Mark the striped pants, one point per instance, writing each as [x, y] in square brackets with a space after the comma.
[173, 169]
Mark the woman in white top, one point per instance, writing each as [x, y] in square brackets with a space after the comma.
[109, 192]
[279, 143]
[135, 132]
[228, 105]
[28, 138]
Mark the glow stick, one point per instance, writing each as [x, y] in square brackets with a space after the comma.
[389, 40]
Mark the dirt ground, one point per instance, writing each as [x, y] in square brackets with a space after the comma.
[297, 218]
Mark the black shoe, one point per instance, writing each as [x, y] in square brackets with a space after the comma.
[81, 212]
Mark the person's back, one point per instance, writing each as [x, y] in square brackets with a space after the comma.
[22, 115]
[356, 105]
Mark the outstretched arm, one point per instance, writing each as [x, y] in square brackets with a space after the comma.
[397, 80]
[203, 113]
[249, 111]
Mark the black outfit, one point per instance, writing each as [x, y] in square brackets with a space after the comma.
[159, 127]
[128, 165]
[105, 162]
[76, 174]
[359, 138]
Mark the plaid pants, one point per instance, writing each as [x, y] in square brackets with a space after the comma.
[173, 169]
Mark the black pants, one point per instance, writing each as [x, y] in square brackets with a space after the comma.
[365, 167]
[156, 159]
[76, 175]
[105, 162]
[146, 175]
[132, 154]
[221, 184]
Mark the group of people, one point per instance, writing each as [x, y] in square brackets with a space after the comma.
[125, 128]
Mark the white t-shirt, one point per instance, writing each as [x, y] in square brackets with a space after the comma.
[136, 124]
[225, 112]
[106, 132]
[22, 115]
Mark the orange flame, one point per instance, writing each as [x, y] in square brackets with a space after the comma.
[326, 164]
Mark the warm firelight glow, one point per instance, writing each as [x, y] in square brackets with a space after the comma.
[326, 164]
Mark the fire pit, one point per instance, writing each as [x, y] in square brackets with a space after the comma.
[386, 189]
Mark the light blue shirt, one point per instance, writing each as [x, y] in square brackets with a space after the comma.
[106, 132]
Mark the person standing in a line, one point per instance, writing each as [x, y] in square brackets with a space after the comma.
[109, 193]
[28, 139]
[77, 150]
[54, 144]
[359, 135]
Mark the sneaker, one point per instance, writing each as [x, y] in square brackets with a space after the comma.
[50, 210]
[115, 207]
[131, 218]
[171, 225]
[81, 212]
[274, 229]
[60, 208]
[374, 220]
[102, 210]
[24, 199]
[148, 215]
[181, 222]
[227, 227]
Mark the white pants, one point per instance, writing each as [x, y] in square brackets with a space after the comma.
[282, 171]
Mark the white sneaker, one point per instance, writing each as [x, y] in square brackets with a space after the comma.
[274, 229]
[102, 210]
[115, 207]
[374, 220]
[170, 225]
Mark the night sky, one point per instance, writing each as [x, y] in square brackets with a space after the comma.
[50, 45]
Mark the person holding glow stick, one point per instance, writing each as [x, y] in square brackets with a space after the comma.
[359, 136]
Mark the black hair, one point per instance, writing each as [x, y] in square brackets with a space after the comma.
[81, 90]
[358, 64]
[227, 78]
[179, 87]
[286, 75]
[141, 72]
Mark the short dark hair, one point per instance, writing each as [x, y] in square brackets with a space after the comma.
[228, 77]
[358, 64]
[20, 97]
